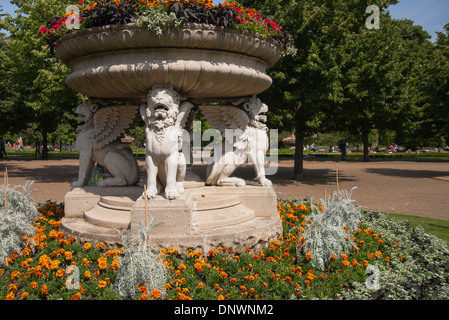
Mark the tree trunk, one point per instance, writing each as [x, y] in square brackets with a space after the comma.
[365, 133]
[298, 170]
[44, 143]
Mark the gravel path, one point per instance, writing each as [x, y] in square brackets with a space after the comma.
[415, 188]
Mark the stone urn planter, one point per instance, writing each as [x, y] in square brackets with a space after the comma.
[201, 62]
[161, 78]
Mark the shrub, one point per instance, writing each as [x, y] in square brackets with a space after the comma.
[18, 221]
[419, 267]
[140, 265]
[325, 234]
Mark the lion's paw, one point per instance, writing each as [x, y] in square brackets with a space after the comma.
[151, 193]
[172, 194]
[266, 183]
[77, 184]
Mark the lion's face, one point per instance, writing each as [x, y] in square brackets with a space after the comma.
[85, 113]
[257, 110]
[163, 106]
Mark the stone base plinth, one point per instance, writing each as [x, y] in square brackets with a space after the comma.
[203, 218]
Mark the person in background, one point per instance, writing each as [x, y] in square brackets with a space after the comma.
[2, 148]
[37, 146]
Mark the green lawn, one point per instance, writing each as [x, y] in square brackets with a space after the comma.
[437, 227]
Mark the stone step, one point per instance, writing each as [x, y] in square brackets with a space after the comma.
[84, 231]
[214, 202]
[224, 216]
[108, 217]
[116, 203]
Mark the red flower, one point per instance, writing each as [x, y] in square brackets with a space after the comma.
[81, 2]
[43, 30]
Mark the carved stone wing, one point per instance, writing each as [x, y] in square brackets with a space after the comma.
[111, 122]
[222, 117]
[184, 111]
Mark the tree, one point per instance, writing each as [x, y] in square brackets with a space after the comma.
[34, 80]
[434, 124]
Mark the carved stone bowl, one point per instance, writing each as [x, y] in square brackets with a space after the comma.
[201, 62]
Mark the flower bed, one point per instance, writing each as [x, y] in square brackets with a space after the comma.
[159, 15]
[411, 264]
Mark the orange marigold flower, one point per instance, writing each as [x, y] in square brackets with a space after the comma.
[156, 293]
[308, 256]
[76, 296]
[44, 289]
[102, 263]
[87, 246]
[33, 285]
[102, 284]
[345, 263]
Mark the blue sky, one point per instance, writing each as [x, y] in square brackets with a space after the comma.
[431, 14]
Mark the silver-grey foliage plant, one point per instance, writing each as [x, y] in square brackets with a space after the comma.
[140, 266]
[157, 20]
[17, 221]
[324, 235]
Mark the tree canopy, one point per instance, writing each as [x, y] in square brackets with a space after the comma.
[33, 85]
[347, 76]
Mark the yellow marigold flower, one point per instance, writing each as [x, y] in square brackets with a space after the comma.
[68, 255]
[100, 245]
[85, 262]
[221, 297]
[87, 246]
[102, 284]
[102, 263]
